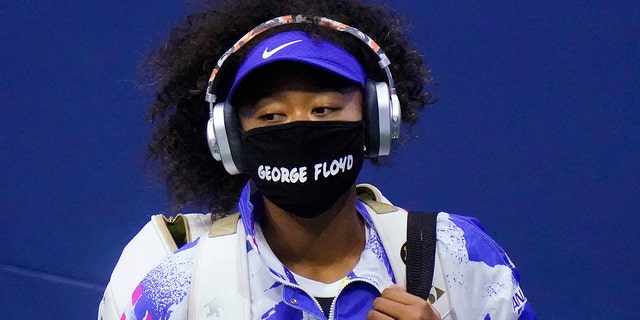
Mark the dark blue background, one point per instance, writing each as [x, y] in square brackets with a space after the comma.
[536, 133]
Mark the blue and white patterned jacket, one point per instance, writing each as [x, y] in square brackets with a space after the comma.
[234, 274]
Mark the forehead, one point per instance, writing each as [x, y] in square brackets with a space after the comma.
[286, 75]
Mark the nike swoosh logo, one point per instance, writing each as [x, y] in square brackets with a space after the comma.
[266, 54]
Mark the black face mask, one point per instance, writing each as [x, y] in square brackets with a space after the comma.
[303, 167]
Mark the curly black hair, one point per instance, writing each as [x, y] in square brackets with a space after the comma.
[181, 67]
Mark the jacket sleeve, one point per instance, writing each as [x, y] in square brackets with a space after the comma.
[143, 253]
[139, 256]
[482, 281]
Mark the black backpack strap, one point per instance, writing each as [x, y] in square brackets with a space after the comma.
[420, 252]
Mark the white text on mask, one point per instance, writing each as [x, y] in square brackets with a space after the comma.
[299, 175]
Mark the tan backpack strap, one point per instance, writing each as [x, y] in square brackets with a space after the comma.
[374, 199]
[224, 226]
[379, 207]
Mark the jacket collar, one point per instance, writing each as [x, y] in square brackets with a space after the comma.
[373, 266]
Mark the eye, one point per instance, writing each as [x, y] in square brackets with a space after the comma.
[272, 117]
[323, 111]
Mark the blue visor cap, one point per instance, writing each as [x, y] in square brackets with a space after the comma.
[298, 46]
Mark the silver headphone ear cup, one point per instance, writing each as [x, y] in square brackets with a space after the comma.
[377, 116]
[212, 141]
[218, 128]
[384, 118]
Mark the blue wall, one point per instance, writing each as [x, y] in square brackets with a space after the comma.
[536, 133]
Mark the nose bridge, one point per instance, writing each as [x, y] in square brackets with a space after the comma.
[300, 113]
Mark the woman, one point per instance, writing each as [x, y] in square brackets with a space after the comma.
[300, 93]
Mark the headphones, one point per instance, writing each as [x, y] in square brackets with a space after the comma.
[381, 107]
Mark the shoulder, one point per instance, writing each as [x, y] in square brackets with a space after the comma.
[467, 235]
[163, 292]
[480, 277]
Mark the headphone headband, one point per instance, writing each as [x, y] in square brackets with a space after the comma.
[383, 62]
